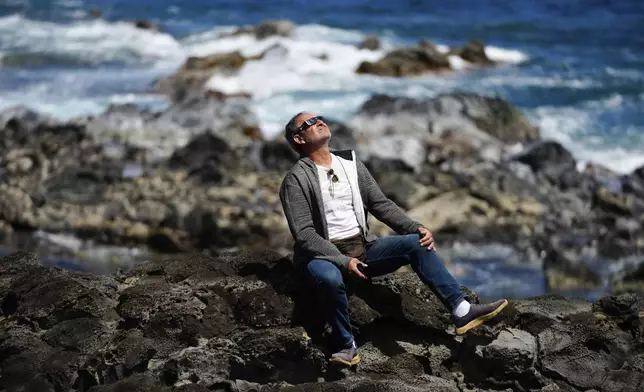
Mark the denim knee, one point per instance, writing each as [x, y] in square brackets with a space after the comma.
[326, 274]
[413, 242]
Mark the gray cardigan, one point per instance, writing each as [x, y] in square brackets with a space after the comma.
[303, 207]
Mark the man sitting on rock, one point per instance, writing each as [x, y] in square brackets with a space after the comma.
[326, 197]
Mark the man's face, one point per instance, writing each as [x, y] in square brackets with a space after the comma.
[313, 131]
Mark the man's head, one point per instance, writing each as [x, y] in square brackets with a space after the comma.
[306, 132]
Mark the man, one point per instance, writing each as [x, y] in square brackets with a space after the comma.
[326, 197]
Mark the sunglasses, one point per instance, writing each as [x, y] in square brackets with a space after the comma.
[308, 123]
[334, 177]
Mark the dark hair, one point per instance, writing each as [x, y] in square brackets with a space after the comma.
[289, 129]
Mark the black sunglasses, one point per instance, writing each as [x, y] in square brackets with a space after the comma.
[308, 123]
[334, 177]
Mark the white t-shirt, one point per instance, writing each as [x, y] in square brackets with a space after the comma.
[338, 200]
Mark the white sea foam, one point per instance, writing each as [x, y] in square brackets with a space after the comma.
[519, 80]
[505, 55]
[93, 41]
[573, 127]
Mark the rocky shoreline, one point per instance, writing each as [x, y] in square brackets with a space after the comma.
[245, 323]
[199, 176]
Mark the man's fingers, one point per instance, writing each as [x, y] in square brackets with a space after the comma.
[357, 272]
[427, 241]
[363, 265]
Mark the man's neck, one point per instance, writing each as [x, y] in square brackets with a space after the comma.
[321, 157]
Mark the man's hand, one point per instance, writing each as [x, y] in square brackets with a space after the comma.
[426, 238]
[353, 267]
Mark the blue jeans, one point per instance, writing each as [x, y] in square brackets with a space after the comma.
[384, 255]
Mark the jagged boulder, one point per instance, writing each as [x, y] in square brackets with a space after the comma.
[247, 322]
[481, 127]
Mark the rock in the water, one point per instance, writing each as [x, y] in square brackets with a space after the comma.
[195, 72]
[370, 43]
[267, 28]
[270, 28]
[146, 25]
[473, 52]
[409, 61]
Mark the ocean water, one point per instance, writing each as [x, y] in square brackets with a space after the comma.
[575, 67]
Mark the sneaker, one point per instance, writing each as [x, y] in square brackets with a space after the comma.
[348, 356]
[477, 315]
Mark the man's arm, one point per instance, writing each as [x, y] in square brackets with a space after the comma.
[300, 223]
[383, 208]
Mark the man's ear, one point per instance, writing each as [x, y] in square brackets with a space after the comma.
[299, 139]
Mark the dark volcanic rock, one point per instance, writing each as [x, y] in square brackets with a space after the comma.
[277, 155]
[634, 182]
[474, 52]
[370, 43]
[205, 156]
[235, 323]
[421, 58]
[552, 160]
[407, 62]
[342, 137]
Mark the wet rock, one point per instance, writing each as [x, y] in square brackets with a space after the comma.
[265, 29]
[370, 43]
[270, 28]
[421, 58]
[409, 61]
[473, 52]
[191, 77]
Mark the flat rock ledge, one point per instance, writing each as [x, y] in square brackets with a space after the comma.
[244, 322]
